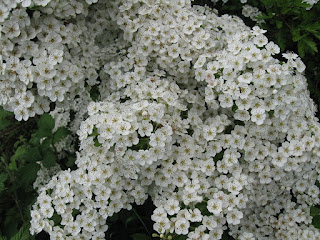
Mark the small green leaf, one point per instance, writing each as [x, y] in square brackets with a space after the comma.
[46, 143]
[49, 159]
[32, 155]
[234, 108]
[23, 233]
[314, 211]
[279, 24]
[96, 143]
[4, 122]
[46, 123]
[35, 7]
[302, 4]
[19, 153]
[130, 219]
[296, 36]
[28, 173]
[313, 27]
[56, 218]
[316, 34]
[316, 221]
[61, 133]
[309, 42]
[3, 178]
[140, 236]
[180, 237]
[71, 161]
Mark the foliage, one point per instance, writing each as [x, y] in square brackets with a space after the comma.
[23, 146]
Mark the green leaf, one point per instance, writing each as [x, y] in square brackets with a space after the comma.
[19, 153]
[279, 24]
[4, 122]
[61, 133]
[28, 173]
[140, 236]
[180, 237]
[46, 123]
[130, 219]
[316, 221]
[296, 35]
[316, 34]
[49, 159]
[3, 178]
[301, 4]
[281, 39]
[23, 233]
[313, 27]
[46, 143]
[71, 161]
[56, 218]
[32, 155]
[314, 211]
[306, 45]
[3, 238]
[301, 49]
[96, 143]
[309, 42]
[35, 7]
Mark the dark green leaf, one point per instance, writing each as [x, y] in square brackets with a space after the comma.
[28, 173]
[301, 49]
[279, 24]
[61, 133]
[130, 219]
[281, 39]
[71, 161]
[140, 236]
[314, 211]
[302, 4]
[56, 218]
[317, 35]
[19, 153]
[46, 143]
[180, 237]
[32, 155]
[46, 123]
[296, 35]
[4, 122]
[23, 233]
[3, 238]
[313, 27]
[316, 221]
[49, 159]
[311, 44]
[35, 7]
[3, 178]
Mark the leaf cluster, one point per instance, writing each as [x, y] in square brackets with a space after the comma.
[23, 145]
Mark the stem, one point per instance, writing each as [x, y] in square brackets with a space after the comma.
[135, 212]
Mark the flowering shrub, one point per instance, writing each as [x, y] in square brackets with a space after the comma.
[169, 101]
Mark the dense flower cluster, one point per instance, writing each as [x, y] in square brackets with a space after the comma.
[192, 110]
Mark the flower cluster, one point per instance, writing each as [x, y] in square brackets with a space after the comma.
[170, 101]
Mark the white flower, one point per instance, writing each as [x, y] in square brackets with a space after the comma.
[172, 206]
[234, 217]
[258, 115]
[214, 206]
[182, 226]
